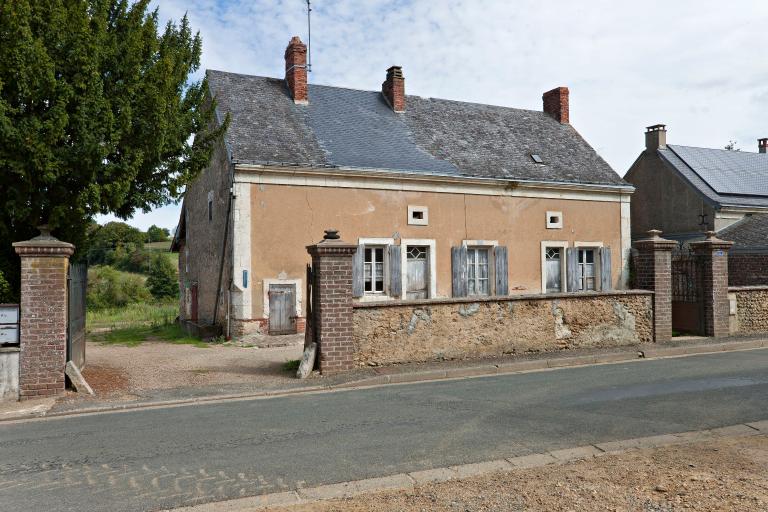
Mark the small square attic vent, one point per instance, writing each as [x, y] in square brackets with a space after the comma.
[536, 158]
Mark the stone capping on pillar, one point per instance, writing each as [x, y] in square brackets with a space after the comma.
[713, 258]
[653, 272]
[332, 302]
[43, 314]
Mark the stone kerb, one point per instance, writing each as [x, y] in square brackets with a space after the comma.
[713, 258]
[332, 302]
[43, 311]
[653, 272]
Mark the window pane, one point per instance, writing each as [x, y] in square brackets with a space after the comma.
[471, 287]
[590, 256]
[483, 287]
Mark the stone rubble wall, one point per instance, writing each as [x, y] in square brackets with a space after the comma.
[428, 330]
[749, 310]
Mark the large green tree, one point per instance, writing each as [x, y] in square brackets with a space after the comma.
[98, 114]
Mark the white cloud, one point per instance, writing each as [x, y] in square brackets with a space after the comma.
[696, 65]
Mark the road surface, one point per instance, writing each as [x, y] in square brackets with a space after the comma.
[162, 458]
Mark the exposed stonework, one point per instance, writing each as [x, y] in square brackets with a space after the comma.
[398, 332]
[751, 315]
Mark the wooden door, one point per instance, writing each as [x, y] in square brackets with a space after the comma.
[417, 273]
[282, 309]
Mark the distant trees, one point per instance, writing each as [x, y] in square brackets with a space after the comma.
[162, 281]
[731, 146]
[157, 234]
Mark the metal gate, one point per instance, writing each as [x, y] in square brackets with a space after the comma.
[687, 296]
[77, 282]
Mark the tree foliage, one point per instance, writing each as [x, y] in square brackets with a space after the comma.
[157, 234]
[162, 281]
[98, 114]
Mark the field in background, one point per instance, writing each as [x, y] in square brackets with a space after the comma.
[133, 315]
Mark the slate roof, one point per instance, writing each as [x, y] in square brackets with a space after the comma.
[750, 232]
[346, 128]
[725, 178]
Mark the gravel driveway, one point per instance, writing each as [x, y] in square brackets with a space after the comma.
[119, 371]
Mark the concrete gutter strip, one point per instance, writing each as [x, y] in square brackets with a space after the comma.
[482, 370]
[406, 481]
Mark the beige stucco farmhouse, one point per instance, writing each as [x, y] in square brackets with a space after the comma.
[444, 198]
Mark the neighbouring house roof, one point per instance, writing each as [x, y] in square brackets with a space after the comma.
[346, 128]
[725, 178]
[751, 232]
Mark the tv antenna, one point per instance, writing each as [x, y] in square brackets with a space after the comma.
[309, 37]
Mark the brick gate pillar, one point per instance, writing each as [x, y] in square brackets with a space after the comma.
[713, 262]
[332, 302]
[43, 311]
[653, 271]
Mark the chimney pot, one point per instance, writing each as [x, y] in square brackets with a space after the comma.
[656, 137]
[296, 70]
[762, 145]
[556, 104]
[393, 88]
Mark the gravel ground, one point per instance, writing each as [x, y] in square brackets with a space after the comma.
[727, 474]
[117, 371]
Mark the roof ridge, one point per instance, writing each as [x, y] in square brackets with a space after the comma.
[426, 98]
[729, 151]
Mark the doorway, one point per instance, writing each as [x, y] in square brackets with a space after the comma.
[417, 272]
[282, 308]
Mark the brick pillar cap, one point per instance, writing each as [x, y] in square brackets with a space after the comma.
[44, 244]
[655, 241]
[332, 244]
[711, 243]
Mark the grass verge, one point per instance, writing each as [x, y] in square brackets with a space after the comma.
[291, 366]
[135, 336]
[140, 314]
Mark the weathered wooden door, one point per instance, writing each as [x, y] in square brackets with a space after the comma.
[77, 281]
[282, 309]
[417, 272]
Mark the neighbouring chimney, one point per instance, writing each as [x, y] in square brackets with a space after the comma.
[296, 70]
[656, 137]
[556, 104]
[393, 89]
[762, 145]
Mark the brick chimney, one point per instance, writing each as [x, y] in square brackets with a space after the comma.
[296, 70]
[556, 104]
[393, 89]
[656, 137]
[762, 145]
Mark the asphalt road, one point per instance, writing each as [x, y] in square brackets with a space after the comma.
[163, 458]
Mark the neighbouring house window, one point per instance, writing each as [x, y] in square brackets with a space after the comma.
[586, 270]
[373, 270]
[553, 268]
[477, 271]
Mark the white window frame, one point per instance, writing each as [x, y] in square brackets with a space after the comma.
[555, 225]
[431, 261]
[485, 244]
[555, 244]
[377, 242]
[296, 282]
[424, 221]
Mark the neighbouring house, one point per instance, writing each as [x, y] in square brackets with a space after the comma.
[686, 191]
[444, 198]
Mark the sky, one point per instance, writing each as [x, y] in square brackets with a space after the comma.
[698, 66]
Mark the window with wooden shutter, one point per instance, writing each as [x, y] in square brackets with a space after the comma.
[572, 269]
[605, 269]
[478, 272]
[373, 270]
[459, 271]
[501, 272]
[395, 271]
[358, 261]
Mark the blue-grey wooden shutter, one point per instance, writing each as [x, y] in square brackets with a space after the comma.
[501, 272]
[395, 271]
[605, 269]
[572, 268]
[459, 271]
[358, 262]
